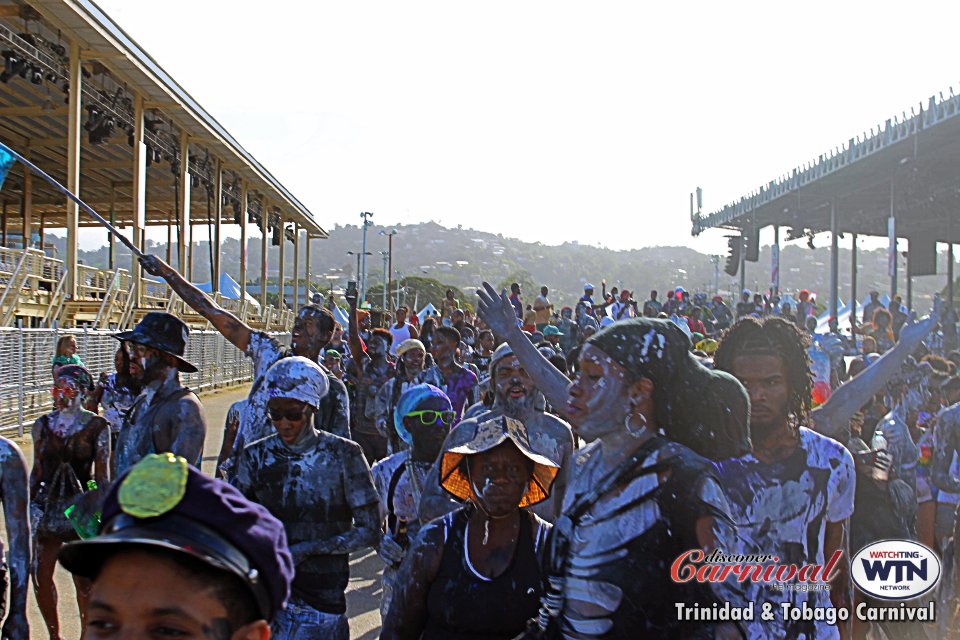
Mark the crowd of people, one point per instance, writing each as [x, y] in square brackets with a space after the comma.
[520, 470]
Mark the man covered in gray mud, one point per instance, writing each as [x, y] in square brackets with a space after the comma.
[515, 396]
[312, 330]
[166, 417]
[319, 486]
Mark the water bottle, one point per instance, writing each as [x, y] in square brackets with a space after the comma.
[881, 466]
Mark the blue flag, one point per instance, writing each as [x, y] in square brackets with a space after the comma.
[6, 162]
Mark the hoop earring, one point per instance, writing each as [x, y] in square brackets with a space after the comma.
[633, 431]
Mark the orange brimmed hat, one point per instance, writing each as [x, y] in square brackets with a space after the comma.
[488, 434]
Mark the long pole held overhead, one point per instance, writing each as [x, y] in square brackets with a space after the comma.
[80, 203]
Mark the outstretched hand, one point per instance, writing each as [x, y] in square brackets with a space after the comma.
[496, 310]
[925, 325]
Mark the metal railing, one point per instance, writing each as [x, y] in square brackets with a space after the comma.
[26, 357]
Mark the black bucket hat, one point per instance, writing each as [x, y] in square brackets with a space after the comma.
[164, 332]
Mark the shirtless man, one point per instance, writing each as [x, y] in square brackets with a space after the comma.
[72, 447]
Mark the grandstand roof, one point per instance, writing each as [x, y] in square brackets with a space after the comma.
[908, 165]
[33, 118]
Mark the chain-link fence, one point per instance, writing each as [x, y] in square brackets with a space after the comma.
[26, 357]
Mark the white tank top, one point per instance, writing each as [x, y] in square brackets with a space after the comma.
[399, 335]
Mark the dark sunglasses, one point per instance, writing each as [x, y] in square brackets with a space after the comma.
[293, 416]
[429, 416]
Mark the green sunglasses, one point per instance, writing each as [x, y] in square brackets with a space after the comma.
[429, 416]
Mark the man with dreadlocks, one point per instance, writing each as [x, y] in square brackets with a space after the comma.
[790, 497]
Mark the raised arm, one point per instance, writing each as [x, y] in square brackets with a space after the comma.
[232, 328]
[946, 443]
[497, 312]
[14, 489]
[833, 418]
[353, 334]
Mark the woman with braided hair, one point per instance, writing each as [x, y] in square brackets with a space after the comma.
[642, 492]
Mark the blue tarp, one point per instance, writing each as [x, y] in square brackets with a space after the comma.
[229, 288]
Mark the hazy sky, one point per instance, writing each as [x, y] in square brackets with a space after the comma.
[546, 121]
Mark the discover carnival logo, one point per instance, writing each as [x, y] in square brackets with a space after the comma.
[895, 569]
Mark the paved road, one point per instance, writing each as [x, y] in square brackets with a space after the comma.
[363, 592]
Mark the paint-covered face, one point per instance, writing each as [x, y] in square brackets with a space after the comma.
[307, 339]
[413, 360]
[566, 313]
[486, 341]
[334, 365]
[140, 595]
[598, 399]
[514, 388]
[443, 349]
[428, 438]
[377, 347]
[914, 401]
[289, 417]
[146, 363]
[67, 394]
[768, 385]
[500, 478]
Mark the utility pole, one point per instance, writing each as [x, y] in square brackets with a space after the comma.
[366, 215]
[715, 260]
[389, 281]
[386, 258]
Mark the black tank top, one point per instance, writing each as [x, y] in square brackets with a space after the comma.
[461, 604]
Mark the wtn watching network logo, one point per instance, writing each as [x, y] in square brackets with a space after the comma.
[895, 569]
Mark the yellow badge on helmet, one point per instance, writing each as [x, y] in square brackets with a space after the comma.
[154, 486]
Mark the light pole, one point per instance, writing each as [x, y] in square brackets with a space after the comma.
[366, 215]
[386, 258]
[389, 283]
[358, 254]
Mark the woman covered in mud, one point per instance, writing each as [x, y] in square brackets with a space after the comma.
[475, 572]
[641, 492]
[71, 448]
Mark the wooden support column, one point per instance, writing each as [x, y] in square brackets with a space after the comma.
[296, 267]
[217, 215]
[283, 241]
[183, 250]
[243, 243]
[264, 226]
[170, 225]
[73, 168]
[306, 293]
[139, 197]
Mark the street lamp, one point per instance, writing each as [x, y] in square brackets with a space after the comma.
[358, 254]
[386, 257]
[366, 215]
[389, 283]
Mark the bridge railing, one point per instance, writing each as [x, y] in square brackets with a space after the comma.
[26, 357]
